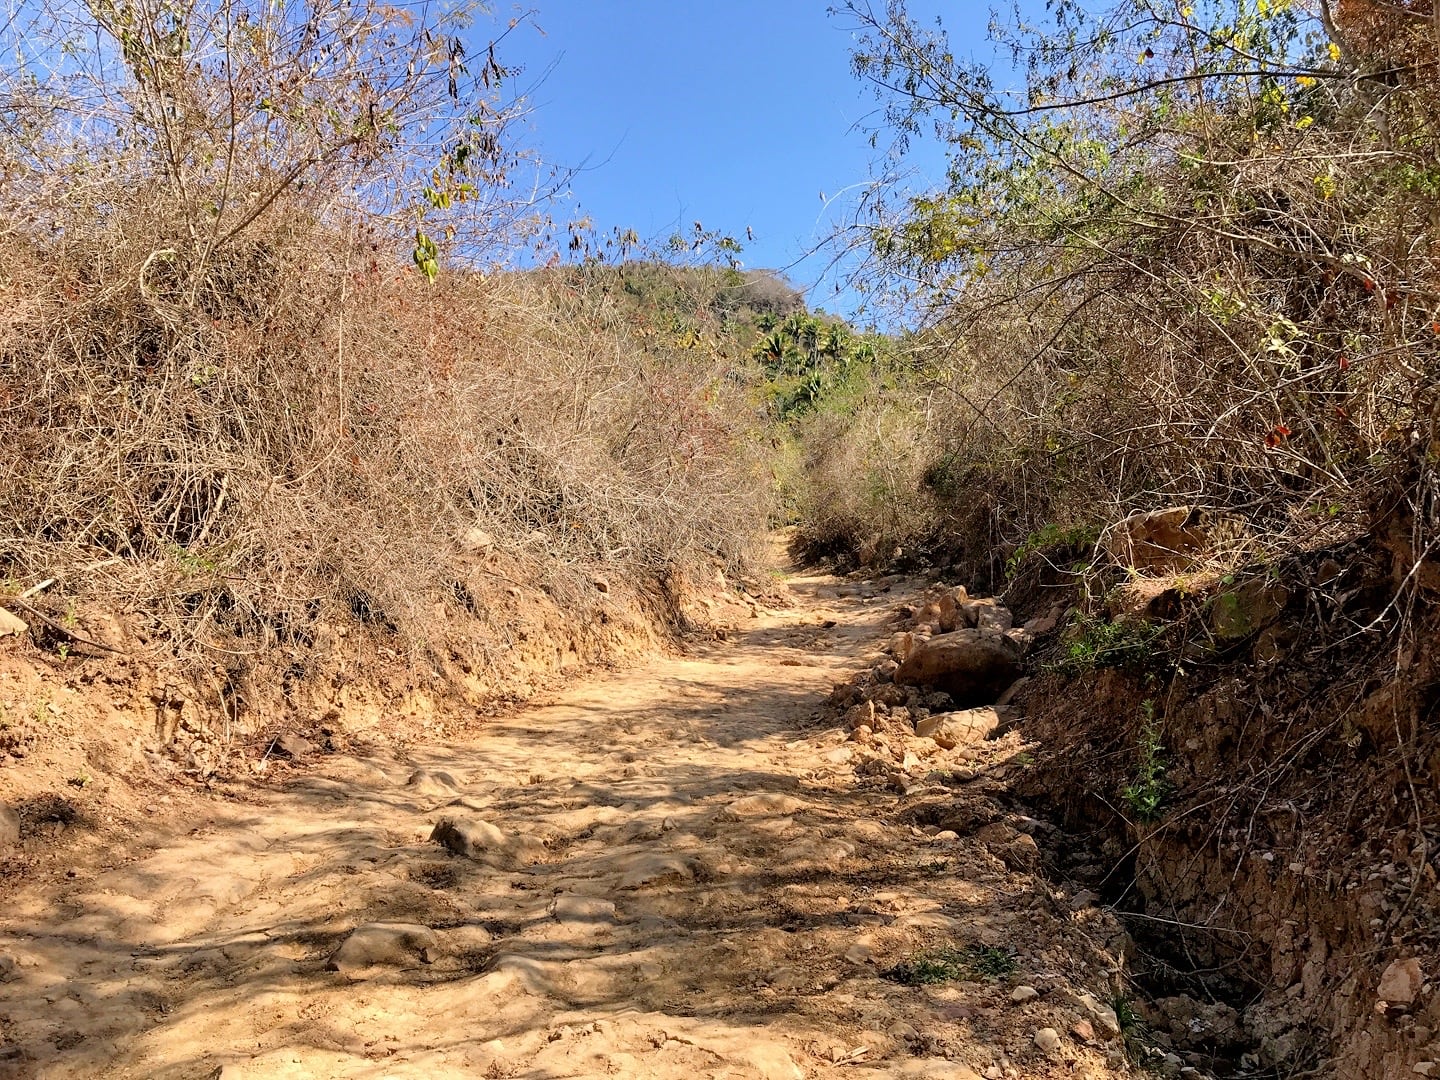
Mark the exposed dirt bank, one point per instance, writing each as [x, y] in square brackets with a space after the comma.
[1285, 877]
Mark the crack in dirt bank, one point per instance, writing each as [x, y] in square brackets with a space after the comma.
[666, 872]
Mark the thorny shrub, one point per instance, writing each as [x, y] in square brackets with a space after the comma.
[240, 390]
[1192, 263]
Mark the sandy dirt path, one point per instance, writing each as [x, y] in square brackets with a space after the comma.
[669, 872]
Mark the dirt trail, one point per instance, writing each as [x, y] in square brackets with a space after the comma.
[681, 880]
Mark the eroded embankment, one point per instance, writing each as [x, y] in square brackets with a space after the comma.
[1257, 787]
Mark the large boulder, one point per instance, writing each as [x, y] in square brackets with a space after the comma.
[973, 666]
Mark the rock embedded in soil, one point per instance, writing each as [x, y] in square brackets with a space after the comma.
[1047, 1039]
[293, 746]
[766, 804]
[462, 940]
[426, 782]
[470, 837]
[973, 666]
[648, 869]
[9, 827]
[1103, 1015]
[1197, 1024]
[1400, 982]
[964, 728]
[1022, 994]
[382, 945]
[582, 909]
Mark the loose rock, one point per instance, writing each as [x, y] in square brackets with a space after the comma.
[1161, 540]
[965, 728]
[380, 945]
[1047, 1039]
[954, 610]
[973, 666]
[992, 617]
[10, 623]
[582, 909]
[862, 715]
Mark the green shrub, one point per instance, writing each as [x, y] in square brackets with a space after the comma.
[949, 964]
[1146, 792]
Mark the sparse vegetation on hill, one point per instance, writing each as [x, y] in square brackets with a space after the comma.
[248, 384]
[1192, 263]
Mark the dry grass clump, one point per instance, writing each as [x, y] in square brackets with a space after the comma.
[322, 431]
[861, 489]
[1228, 300]
[248, 383]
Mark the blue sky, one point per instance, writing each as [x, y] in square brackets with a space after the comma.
[736, 114]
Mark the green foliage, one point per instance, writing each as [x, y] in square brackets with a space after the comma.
[1125, 1014]
[1145, 793]
[810, 362]
[426, 255]
[1132, 1032]
[949, 964]
[1093, 642]
[1051, 536]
